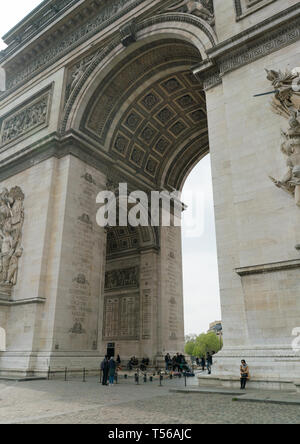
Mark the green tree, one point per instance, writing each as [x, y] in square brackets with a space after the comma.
[205, 343]
[189, 348]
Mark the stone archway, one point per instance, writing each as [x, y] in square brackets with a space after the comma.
[105, 90]
[148, 114]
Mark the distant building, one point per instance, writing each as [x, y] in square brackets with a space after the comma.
[216, 327]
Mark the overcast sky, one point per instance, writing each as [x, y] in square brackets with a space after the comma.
[201, 289]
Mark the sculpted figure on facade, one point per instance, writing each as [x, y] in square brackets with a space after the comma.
[287, 103]
[11, 224]
[77, 72]
[200, 8]
[287, 91]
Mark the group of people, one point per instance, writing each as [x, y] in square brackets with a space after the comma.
[109, 368]
[177, 363]
[205, 362]
[134, 362]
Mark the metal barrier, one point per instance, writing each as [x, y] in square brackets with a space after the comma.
[68, 374]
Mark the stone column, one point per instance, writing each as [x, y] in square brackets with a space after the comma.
[55, 315]
[171, 319]
[149, 304]
[77, 326]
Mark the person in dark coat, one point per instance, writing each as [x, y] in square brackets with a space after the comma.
[203, 363]
[167, 360]
[208, 363]
[118, 360]
[104, 368]
[112, 370]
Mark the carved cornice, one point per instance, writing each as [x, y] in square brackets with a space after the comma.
[82, 24]
[34, 23]
[257, 42]
[268, 268]
[262, 47]
[66, 39]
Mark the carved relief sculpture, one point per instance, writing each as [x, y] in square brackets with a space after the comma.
[11, 224]
[287, 103]
[121, 278]
[200, 8]
[77, 72]
[30, 117]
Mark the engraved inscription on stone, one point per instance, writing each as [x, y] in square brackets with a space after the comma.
[146, 314]
[83, 299]
[121, 317]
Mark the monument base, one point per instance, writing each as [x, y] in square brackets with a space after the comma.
[23, 364]
[271, 368]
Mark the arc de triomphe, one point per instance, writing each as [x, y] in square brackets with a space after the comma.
[100, 92]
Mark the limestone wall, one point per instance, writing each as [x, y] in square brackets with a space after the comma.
[256, 223]
[227, 24]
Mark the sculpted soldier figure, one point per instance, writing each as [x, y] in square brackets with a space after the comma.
[13, 267]
[291, 148]
[287, 86]
[11, 223]
[287, 103]
[6, 254]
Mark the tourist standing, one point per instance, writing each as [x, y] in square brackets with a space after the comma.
[208, 363]
[104, 368]
[203, 363]
[245, 374]
[112, 371]
[167, 360]
[118, 360]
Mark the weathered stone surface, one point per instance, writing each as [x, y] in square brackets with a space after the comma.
[117, 97]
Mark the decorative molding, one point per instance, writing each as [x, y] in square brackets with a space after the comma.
[268, 268]
[262, 47]
[72, 95]
[31, 116]
[30, 26]
[22, 301]
[113, 11]
[244, 8]
[183, 18]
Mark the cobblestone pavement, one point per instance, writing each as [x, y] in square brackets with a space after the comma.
[75, 402]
